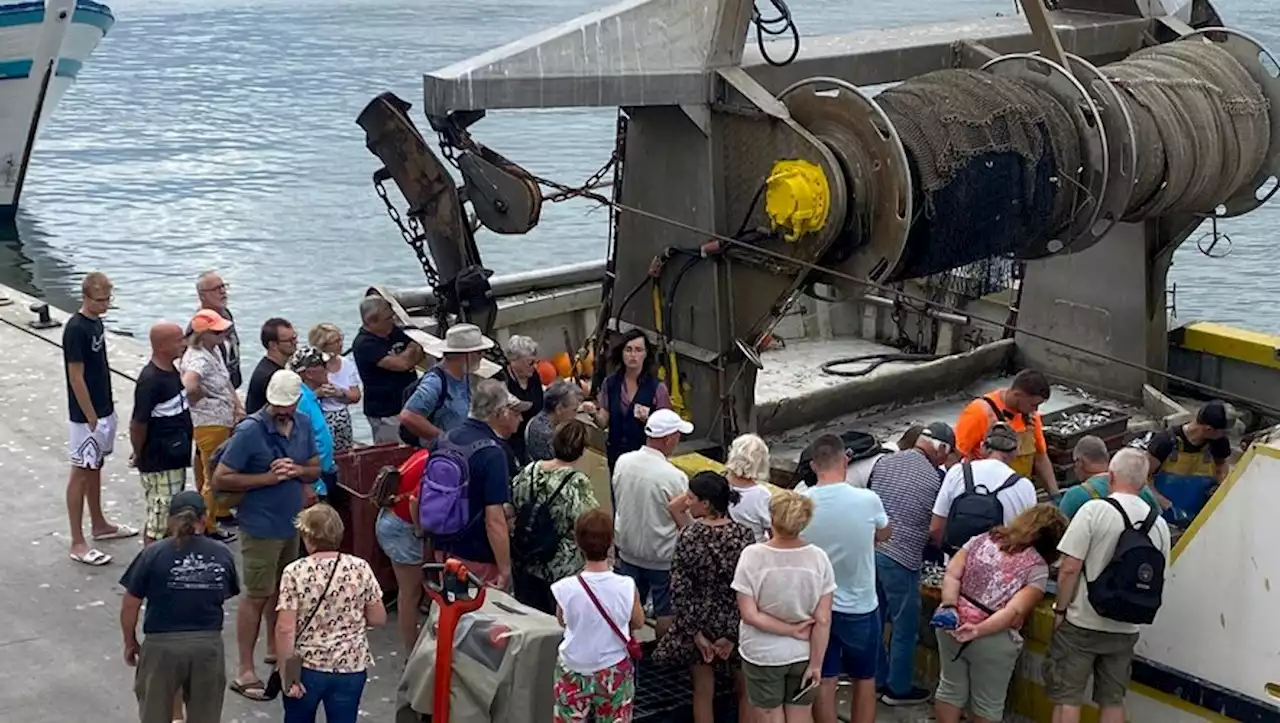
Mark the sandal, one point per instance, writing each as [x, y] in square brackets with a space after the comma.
[121, 532]
[92, 558]
[254, 690]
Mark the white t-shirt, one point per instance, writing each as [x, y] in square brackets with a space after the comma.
[644, 533]
[752, 511]
[1092, 537]
[786, 584]
[589, 644]
[345, 378]
[988, 474]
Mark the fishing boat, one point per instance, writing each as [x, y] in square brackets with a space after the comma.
[43, 46]
[807, 259]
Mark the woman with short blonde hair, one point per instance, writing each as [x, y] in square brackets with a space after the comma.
[331, 641]
[343, 388]
[747, 469]
[784, 589]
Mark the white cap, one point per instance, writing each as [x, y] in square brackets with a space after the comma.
[664, 423]
[284, 389]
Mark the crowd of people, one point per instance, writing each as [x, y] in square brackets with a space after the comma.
[786, 591]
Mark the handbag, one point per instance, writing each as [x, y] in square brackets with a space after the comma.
[292, 665]
[634, 651]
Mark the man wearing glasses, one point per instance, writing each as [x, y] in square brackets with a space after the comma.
[213, 295]
[280, 341]
[93, 419]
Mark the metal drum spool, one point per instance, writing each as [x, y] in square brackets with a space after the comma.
[1121, 147]
[1265, 71]
[859, 134]
[1054, 80]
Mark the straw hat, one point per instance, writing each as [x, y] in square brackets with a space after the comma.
[463, 339]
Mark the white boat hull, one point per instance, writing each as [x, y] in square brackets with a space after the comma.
[36, 36]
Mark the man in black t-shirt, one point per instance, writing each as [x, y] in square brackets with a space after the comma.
[280, 341]
[93, 419]
[160, 430]
[1189, 461]
[387, 360]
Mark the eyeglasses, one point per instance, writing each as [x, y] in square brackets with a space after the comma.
[288, 340]
[219, 288]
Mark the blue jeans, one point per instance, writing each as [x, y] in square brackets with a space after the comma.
[655, 583]
[340, 693]
[899, 592]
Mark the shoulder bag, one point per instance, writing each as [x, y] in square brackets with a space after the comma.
[634, 651]
[292, 666]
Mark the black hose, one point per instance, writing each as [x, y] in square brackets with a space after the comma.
[873, 362]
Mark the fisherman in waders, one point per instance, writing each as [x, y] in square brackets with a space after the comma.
[1018, 406]
[1189, 461]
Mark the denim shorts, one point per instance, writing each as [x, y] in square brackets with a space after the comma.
[650, 582]
[396, 538]
[854, 646]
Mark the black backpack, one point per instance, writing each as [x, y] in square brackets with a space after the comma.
[535, 539]
[1130, 588]
[973, 511]
[406, 436]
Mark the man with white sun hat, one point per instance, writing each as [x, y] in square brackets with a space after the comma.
[442, 398]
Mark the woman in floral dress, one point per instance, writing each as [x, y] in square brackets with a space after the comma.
[705, 632]
[536, 484]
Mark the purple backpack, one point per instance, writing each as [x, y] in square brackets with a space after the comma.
[444, 500]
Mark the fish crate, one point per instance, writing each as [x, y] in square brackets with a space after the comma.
[1065, 427]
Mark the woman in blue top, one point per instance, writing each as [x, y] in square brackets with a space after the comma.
[311, 364]
[630, 392]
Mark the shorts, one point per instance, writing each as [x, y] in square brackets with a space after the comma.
[773, 686]
[1076, 653]
[157, 489]
[192, 663]
[386, 430]
[605, 695]
[976, 676]
[650, 582]
[264, 560]
[396, 538]
[89, 449]
[854, 647]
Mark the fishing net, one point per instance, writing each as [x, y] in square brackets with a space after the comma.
[984, 154]
[995, 162]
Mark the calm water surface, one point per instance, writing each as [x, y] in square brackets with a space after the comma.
[221, 135]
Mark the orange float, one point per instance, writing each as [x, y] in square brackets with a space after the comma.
[546, 372]
[563, 365]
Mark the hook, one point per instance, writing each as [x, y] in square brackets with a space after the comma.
[1214, 237]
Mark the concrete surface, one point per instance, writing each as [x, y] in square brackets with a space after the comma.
[60, 642]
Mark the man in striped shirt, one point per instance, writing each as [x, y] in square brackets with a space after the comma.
[907, 483]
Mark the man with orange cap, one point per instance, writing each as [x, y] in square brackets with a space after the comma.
[1018, 406]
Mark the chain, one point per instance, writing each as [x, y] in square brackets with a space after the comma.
[564, 193]
[412, 235]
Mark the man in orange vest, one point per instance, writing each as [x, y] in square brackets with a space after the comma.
[1018, 406]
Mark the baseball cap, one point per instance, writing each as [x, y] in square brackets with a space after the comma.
[284, 389]
[307, 357]
[940, 432]
[208, 320]
[187, 500]
[664, 422]
[1213, 415]
[1002, 438]
[516, 403]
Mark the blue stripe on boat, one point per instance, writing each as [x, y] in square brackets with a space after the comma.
[14, 69]
[31, 13]
[18, 69]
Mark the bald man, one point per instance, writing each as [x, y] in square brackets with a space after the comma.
[92, 428]
[160, 430]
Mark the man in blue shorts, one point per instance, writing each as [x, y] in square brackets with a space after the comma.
[847, 522]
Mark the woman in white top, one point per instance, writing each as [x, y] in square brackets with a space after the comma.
[215, 406]
[343, 388]
[595, 676]
[747, 469]
[784, 591]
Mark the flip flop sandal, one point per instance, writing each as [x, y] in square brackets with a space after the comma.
[270, 660]
[122, 532]
[255, 690]
[92, 558]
